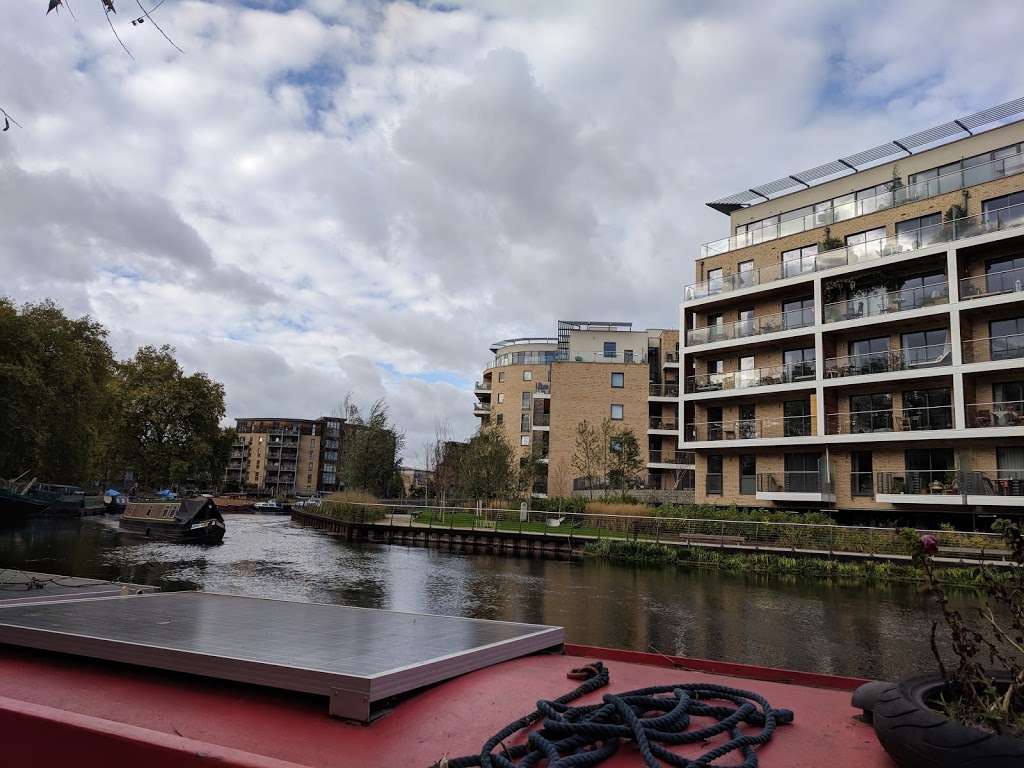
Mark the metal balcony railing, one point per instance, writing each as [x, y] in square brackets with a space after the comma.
[750, 429]
[995, 348]
[668, 389]
[1008, 413]
[740, 329]
[757, 377]
[542, 387]
[888, 420]
[671, 357]
[484, 386]
[812, 481]
[663, 422]
[969, 226]
[887, 361]
[1000, 482]
[481, 406]
[898, 195]
[683, 458]
[935, 482]
[992, 284]
[886, 303]
[542, 419]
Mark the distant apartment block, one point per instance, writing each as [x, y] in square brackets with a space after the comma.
[291, 456]
[537, 390]
[857, 341]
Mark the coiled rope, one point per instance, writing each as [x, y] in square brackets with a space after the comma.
[579, 737]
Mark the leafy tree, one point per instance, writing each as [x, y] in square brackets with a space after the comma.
[370, 451]
[588, 458]
[626, 461]
[486, 466]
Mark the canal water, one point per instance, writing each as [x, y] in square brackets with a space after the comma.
[850, 629]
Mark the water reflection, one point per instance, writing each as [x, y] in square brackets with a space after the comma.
[856, 629]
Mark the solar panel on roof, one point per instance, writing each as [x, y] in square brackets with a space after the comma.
[932, 135]
[881, 152]
[355, 656]
[992, 114]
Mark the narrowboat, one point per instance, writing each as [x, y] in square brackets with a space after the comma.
[191, 521]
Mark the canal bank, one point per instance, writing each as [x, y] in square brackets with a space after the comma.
[858, 629]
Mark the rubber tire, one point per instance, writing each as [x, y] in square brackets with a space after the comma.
[916, 736]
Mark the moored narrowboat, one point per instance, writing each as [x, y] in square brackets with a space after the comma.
[192, 521]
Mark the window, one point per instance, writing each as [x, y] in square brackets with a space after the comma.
[865, 245]
[714, 280]
[919, 232]
[716, 327]
[501, 397]
[1006, 338]
[526, 401]
[799, 260]
[1004, 274]
[609, 349]
[1010, 468]
[928, 409]
[501, 376]
[798, 364]
[746, 376]
[618, 380]
[924, 349]
[922, 290]
[524, 439]
[747, 424]
[714, 422]
[861, 474]
[929, 469]
[1008, 396]
[869, 355]
[796, 419]
[802, 472]
[1004, 211]
[713, 476]
[527, 375]
[627, 356]
[871, 413]
[524, 422]
[745, 322]
[716, 374]
[798, 313]
[745, 274]
[748, 474]
[616, 412]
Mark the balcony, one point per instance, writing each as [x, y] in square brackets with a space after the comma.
[993, 349]
[677, 458]
[810, 486]
[482, 386]
[937, 487]
[1002, 487]
[992, 284]
[889, 361]
[481, 407]
[671, 357]
[750, 429]
[900, 194]
[757, 377]
[1007, 218]
[875, 305]
[884, 421]
[1003, 414]
[541, 420]
[668, 389]
[758, 326]
[524, 358]
[669, 423]
[542, 389]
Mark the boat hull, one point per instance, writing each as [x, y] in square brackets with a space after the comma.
[15, 508]
[206, 532]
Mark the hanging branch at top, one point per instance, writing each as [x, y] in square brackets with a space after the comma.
[8, 120]
[108, 8]
[55, 5]
[155, 24]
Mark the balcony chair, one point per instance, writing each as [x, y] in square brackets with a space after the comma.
[983, 419]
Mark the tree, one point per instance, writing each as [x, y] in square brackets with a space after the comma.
[370, 451]
[626, 461]
[169, 423]
[588, 456]
[486, 468]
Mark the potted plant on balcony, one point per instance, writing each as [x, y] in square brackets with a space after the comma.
[971, 714]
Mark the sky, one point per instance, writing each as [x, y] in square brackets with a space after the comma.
[341, 196]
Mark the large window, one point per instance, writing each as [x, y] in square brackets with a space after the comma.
[1005, 211]
[864, 245]
[871, 413]
[748, 474]
[1006, 338]
[609, 349]
[924, 349]
[796, 418]
[744, 322]
[1004, 274]
[524, 423]
[869, 355]
[861, 474]
[713, 476]
[714, 280]
[1009, 394]
[798, 364]
[747, 424]
[1010, 469]
[928, 409]
[922, 290]
[802, 472]
[799, 260]
[798, 313]
[715, 422]
[918, 232]
[526, 401]
[745, 274]
[929, 470]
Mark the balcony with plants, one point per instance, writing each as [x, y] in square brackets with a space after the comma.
[889, 361]
[876, 294]
[881, 421]
[801, 372]
[750, 429]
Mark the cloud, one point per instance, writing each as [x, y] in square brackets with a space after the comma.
[324, 197]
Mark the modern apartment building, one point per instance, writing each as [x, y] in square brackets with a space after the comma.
[539, 389]
[290, 456]
[857, 341]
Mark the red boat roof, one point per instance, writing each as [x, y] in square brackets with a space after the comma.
[63, 710]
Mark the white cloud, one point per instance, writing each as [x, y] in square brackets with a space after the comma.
[330, 196]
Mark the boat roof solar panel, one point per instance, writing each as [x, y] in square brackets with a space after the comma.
[952, 130]
[355, 656]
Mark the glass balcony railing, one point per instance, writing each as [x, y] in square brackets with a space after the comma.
[1000, 482]
[664, 422]
[887, 361]
[992, 284]
[482, 386]
[783, 321]
[813, 481]
[874, 305]
[905, 420]
[967, 177]
[542, 420]
[969, 226]
[481, 406]
[542, 387]
[682, 458]
[994, 348]
[668, 389]
[1008, 413]
[758, 377]
[933, 482]
[750, 429]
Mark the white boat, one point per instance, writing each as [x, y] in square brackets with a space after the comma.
[270, 507]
